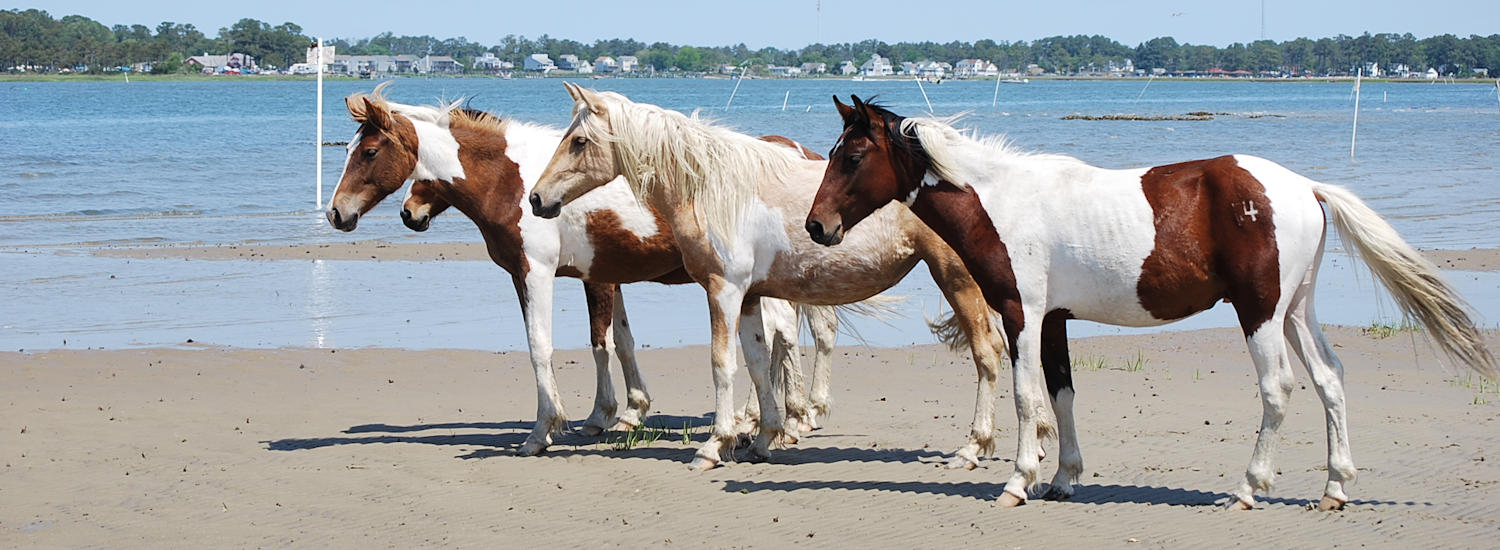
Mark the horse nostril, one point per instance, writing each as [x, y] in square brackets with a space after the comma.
[536, 202]
[815, 229]
[405, 215]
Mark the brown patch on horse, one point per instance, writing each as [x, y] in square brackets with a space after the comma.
[1215, 240]
[957, 216]
[1056, 365]
[601, 302]
[622, 257]
[497, 210]
[808, 154]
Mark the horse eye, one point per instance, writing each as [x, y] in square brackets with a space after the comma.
[580, 140]
[370, 153]
[855, 158]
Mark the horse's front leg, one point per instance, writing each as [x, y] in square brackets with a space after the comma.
[724, 302]
[758, 354]
[637, 399]
[780, 318]
[535, 290]
[601, 302]
[974, 317]
[1033, 416]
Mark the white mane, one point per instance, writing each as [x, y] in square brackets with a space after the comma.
[713, 167]
[960, 158]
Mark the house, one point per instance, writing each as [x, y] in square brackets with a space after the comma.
[538, 62]
[406, 63]
[570, 62]
[970, 68]
[438, 64]
[628, 63]
[784, 72]
[908, 68]
[848, 68]
[491, 64]
[814, 68]
[605, 64]
[876, 66]
[933, 69]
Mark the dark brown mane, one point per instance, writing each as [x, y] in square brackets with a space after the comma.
[908, 144]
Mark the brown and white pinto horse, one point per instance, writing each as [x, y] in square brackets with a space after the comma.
[1050, 238]
[735, 205]
[482, 165]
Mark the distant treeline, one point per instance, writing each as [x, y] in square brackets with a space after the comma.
[32, 38]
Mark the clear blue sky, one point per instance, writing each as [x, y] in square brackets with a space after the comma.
[796, 23]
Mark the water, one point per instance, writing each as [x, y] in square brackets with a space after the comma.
[106, 163]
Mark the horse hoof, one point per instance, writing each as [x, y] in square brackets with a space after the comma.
[702, 464]
[1008, 500]
[1330, 504]
[961, 463]
[590, 431]
[531, 448]
[1237, 504]
[624, 426]
[1055, 492]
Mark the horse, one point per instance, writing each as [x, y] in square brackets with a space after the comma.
[483, 164]
[1050, 238]
[733, 203]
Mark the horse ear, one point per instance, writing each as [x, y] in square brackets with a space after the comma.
[376, 115]
[356, 111]
[572, 90]
[591, 100]
[844, 110]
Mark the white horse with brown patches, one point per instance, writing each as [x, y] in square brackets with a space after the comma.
[483, 165]
[735, 205]
[1050, 238]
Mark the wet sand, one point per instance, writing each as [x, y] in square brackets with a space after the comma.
[202, 446]
[1474, 259]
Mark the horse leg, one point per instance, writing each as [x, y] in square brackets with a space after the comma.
[758, 362]
[724, 302]
[1059, 372]
[1032, 415]
[823, 322]
[637, 399]
[1274, 368]
[780, 318]
[1327, 373]
[535, 289]
[973, 315]
[601, 302]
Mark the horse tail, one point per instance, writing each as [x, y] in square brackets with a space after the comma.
[1419, 289]
[949, 332]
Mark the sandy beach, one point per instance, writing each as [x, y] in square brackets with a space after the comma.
[199, 446]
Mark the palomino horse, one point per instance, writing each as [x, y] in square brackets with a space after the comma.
[1050, 238]
[734, 204]
[482, 165]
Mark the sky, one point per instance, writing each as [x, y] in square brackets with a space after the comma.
[790, 24]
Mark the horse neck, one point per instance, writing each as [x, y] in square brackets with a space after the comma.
[437, 153]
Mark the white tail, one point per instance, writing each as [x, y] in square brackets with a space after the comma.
[1418, 287]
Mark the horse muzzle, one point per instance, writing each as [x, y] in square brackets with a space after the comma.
[341, 222]
[547, 211]
[413, 223]
[824, 237]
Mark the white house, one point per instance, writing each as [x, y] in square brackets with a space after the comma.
[538, 62]
[847, 68]
[491, 64]
[876, 66]
[628, 64]
[605, 64]
[814, 68]
[784, 72]
[570, 62]
[970, 68]
[933, 69]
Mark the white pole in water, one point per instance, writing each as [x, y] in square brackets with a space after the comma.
[1497, 90]
[1143, 88]
[924, 96]
[784, 100]
[996, 100]
[319, 141]
[1354, 134]
[736, 88]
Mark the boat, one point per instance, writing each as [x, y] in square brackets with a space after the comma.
[1016, 81]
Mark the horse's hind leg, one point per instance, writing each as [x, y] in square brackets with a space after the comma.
[637, 399]
[1274, 368]
[780, 317]
[1327, 373]
[601, 302]
[758, 362]
[1058, 369]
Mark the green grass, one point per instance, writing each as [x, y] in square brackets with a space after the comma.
[1381, 330]
[1096, 363]
[639, 436]
[1092, 363]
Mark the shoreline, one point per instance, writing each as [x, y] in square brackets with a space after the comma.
[1473, 259]
[214, 446]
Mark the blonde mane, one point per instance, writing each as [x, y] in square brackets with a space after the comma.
[951, 152]
[713, 167]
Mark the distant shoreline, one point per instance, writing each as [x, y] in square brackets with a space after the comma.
[119, 77]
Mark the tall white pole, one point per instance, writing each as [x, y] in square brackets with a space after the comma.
[1143, 88]
[319, 141]
[785, 99]
[996, 100]
[924, 96]
[736, 89]
[1354, 134]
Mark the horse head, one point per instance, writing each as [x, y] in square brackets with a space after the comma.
[871, 164]
[423, 203]
[382, 156]
[584, 160]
